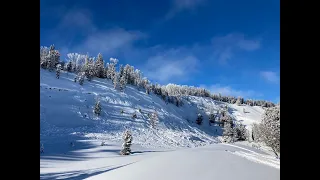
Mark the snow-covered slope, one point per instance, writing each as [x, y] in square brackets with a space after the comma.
[89, 160]
[66, 109]
[66, 115]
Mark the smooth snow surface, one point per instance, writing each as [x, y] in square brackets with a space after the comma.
[66, 115]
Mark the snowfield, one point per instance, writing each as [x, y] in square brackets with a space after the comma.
[177, 148]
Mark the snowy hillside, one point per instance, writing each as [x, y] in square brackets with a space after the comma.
[67, 109]
[66, 115]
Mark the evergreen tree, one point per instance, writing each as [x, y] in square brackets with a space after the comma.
[97, 108]
[127, 137]
[81, 78]
[154, 119]
[211, 118]
[99, 67]
[123, 79]
[270, 128]
[58, 71]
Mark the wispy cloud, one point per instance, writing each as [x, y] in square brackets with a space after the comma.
[77, 18]
[225, 47]
[171, 65]
[110, 41]
[79, 23]
[183, 5]
[229, 91]
[270, 76]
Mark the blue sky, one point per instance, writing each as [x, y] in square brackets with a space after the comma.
[227, 46]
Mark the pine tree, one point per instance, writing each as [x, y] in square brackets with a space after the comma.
[199, 119]
[115, 80]
[229, 133]
[69, 66]
[89, 68]
[81, 78]
[99, 66]
[270, 128]
[212, 118]
[58, 71]
[256, 132]
[123, 79]
[127, 137]
[154, 119]
[241, 132]
[53, 58]
[97, 108]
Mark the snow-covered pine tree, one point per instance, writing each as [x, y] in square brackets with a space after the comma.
[58, 71]
[199, 119]
[68, 66]
[241, 132]
[225, 118]
[229, 134]
[112, 68]
[99, 66]
[123, 79]
[212, 118]
[53, 58]
[270, 128]
[256, 132]
[97, 108]
[89, 68]
[238, 102]
[154, 119]
[81, 77]
[116, 80]
[127, 137]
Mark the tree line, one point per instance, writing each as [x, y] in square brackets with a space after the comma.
[87, 67]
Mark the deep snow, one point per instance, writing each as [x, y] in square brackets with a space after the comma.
[66, 115]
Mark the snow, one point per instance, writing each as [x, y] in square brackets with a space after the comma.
[177, 146]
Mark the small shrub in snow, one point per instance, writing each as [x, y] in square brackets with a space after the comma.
[127, 137]
[102, 143]
[199, 119]
[121, 111]
[72, 144]
[97, 108]
[134, 115]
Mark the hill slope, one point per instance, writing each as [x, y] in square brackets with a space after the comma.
[66, 109]
[66, 115]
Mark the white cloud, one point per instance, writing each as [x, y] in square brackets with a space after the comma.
[170, 66]
[228, 91]
[110, 41]
[181, 5]
[270, 76]
[225, 47]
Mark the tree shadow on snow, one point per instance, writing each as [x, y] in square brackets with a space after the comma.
[77, 175]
